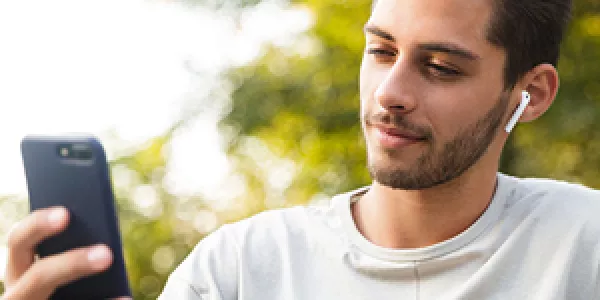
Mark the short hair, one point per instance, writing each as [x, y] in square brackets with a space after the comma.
[530, 31]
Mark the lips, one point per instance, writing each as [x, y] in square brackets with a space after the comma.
[399, 133]
[393, 137]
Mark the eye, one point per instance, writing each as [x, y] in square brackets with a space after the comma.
[442, 71]
[382, 55]
[381, 52]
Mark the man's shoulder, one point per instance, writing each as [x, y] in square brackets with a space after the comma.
[275, 224]
[268, 240]
[558, 202]
[269, 222]
[559, 191]
[262, 243]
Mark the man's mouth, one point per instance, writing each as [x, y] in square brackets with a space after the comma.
[394, 131]
[393, 137]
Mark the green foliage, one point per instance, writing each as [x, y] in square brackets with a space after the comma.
[156, 236]
[304, 107]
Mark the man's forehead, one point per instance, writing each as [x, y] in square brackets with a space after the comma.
[431, 19]
[449, 6]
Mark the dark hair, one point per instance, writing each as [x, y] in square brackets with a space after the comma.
[530, 31]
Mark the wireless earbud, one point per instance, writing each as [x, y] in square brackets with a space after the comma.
[525, 97]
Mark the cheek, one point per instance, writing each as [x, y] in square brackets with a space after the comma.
[370, 78]
[452, 109]
[366, 80]
[366, 89]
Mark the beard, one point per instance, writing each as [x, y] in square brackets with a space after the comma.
[439, 164]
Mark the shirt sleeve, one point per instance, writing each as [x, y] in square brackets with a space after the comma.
[209, 272]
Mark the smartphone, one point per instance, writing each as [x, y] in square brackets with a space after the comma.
[73, 172]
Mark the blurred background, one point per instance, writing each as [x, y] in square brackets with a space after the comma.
[212, 111]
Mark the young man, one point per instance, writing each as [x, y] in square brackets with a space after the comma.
[440, 82]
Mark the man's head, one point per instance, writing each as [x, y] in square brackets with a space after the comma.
[440, 77]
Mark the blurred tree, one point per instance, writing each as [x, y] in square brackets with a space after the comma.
[300, 103]
[158, 229]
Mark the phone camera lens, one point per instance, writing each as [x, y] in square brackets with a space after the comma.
[75, 151]
[64, 152]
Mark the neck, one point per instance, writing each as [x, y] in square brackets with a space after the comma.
[405, 219]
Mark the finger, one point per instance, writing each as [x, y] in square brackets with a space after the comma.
[51, 272]
[23, 238]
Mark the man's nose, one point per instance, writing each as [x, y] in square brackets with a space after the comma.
[396, 93]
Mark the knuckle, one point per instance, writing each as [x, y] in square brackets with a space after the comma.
[23, 231]
[49, 273]
[36, 221]
[14, 235]
[72, 264]
[31, 228]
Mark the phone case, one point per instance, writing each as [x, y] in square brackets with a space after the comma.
[83, 186]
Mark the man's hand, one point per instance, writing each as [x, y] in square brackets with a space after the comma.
[28, 278]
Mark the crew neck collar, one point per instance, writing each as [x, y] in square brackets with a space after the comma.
[489, 217]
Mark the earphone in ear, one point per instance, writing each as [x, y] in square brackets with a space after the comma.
[525, 98]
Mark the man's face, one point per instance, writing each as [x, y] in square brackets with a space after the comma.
[432, 90]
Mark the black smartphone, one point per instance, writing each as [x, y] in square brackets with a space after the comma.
[73, 172]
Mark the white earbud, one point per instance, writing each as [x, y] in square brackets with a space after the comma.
[525, 97]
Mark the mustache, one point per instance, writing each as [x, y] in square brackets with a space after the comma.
[398, 121]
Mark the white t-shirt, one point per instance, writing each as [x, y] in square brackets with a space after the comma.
[538, 239]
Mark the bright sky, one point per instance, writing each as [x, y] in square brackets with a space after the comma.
[119, 65]
[94, 66]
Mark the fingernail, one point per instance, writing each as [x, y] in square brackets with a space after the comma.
[56, 215]
[98, 254]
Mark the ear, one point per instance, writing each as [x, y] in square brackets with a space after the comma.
[542, 84]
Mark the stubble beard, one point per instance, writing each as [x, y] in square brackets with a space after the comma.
[441, 164]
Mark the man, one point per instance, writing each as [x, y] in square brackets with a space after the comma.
[440, 81]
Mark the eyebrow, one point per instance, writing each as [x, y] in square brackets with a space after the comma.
[379, 32]
[448, 48]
